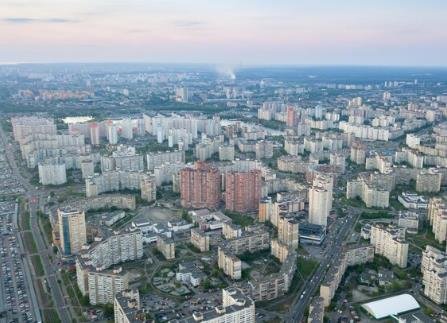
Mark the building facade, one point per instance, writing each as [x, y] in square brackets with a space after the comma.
[200, 187]
[243, 191]
[72, 230]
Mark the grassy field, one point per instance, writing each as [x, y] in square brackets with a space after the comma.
[37, 264]
[30, 244]
[51, 316]
[24, 217]
[240, 219]
[46, 226]
[424, 238]
[306, 266]
[375, 215]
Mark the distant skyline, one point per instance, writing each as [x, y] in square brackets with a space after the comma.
[244, 32]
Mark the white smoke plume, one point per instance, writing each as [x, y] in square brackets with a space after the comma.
[226, 71]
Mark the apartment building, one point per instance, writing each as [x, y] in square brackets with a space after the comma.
[200, 187]
[320, 199]
[288, 231]
[428, 180]
[200, 239]
[437, 217]
[156, 159]
[104, 285]
[434, 274]
[229, 262]
[388, 241]
[166, 246]
[279, 250]
[124, 158]
[236, 307]
[115, 181]
[119, 247]
[243, 191]
[226, 152]
[72, 230]
[127, 307]
[349, 257]
[52, 172]
[372, 194]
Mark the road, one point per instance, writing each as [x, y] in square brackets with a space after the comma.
[303, 297]
[26, 269]
[33, 197]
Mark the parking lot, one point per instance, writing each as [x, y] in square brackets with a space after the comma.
[15, 303]
[9, 185]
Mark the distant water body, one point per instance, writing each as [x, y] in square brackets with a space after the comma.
[77, 119]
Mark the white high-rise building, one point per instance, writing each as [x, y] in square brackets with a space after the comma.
[320, 200]
[94, 133]
[124, 158]
[389, 242]
[52, 172]
[434, 274]
[87, 168]
[182, 94]
[126, 129]
[103, 286]
[112, 134]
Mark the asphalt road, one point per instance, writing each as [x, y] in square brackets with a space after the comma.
[33, 199]
[304, 296]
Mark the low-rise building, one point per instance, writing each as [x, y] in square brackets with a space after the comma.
[412, 201]
[409, 220]
[207, 220]
[189, 273]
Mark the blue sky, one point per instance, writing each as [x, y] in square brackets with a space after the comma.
[232, 32]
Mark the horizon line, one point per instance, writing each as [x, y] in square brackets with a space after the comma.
[233, 65]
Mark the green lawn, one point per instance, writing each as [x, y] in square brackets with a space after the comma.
[37, 264]
[24, 217]
[30, 244]
[51, 316]
[46, 226]
[306, 266]
[240, 219]
[424, 238]
[375, 215]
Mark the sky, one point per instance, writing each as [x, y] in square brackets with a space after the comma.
[236, 32]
